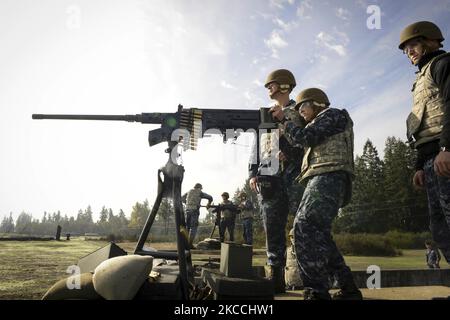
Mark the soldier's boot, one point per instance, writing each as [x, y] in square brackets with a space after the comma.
[348, 292]
[276, 275]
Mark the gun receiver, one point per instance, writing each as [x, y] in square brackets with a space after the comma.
[195, 122]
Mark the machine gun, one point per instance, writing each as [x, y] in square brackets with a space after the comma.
[185, 126]
[192, 122]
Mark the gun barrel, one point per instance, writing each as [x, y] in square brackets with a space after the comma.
[129, 118]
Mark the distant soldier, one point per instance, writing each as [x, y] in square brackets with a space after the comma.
[227, 217]
[432, 255]
[192, 199]
[246, 216]
[428, 125]
[327, 172]
[274, 174]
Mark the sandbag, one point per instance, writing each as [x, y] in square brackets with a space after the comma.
[60, 290]
[120, 278]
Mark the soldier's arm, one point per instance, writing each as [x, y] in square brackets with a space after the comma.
[248, 205]
[253, 161]
[204, 195]
[440, 72]
[328, 123]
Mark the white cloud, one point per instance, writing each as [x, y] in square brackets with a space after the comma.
[226, 85]
[331, 42]
[280, 3]
[285, 26]
[257, 83]
[343, 14]
[275, 42]
[303, 8]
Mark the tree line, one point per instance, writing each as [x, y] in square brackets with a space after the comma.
[108, 222]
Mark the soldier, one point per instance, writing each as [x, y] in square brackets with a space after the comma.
[327, 172]
[192, 200]
[273, 176]
[246, 216]
[428, 125]
[227, 217]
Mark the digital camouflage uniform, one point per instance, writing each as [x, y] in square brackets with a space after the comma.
[283, 194]
[192, 200]
[327, 171]
[426, 131]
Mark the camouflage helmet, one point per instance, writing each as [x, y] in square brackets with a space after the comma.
[424, 29]
[314, 94]
[198, 186]
[225, 194]
[283, 77]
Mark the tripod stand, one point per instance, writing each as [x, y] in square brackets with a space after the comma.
[170, 187]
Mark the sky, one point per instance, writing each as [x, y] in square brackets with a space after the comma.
[134, 56]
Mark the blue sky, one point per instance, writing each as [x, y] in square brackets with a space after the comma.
[125, 57]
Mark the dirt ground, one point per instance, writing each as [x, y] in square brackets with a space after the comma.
[29, 268]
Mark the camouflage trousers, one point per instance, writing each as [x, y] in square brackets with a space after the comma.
[192, 223]
[438, 193]
[317, 254]
[247, 225]
[274, 211]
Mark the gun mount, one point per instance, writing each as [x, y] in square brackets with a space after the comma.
[185, 126]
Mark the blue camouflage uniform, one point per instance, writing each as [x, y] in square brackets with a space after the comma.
[428, 130]
[328, 188]
[280, 194]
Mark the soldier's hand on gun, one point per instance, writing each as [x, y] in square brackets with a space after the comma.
[277, 112]
[281, 156]
[253, 184]
[419, 179]
[442, 164]
[208, 205]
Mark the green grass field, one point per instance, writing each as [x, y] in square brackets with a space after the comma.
[29, 268]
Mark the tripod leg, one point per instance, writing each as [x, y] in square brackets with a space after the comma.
[181, 241]
[151, 216]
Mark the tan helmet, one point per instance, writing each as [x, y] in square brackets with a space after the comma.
[313, 94]
[225, 194]
[424, 29]
[283, 77]
[198, 186]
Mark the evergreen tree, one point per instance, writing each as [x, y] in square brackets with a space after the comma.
[7, 225]
[139, 214]
[23, 223]
[364, 213]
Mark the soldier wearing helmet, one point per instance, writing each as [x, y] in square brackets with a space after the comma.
[246, 216]
[227, 211]
[192, 200]
[428, 125]
[327, 173]
[273, 175]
